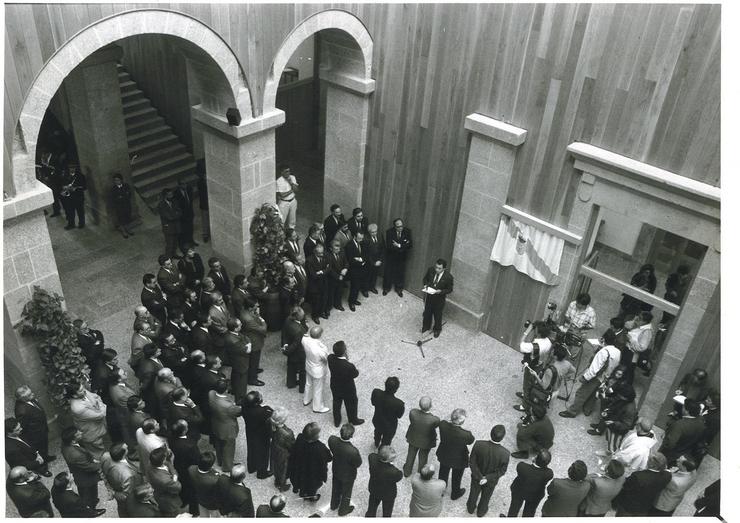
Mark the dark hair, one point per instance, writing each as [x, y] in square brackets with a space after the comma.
[211, 360]
[68, 435]
[391, 384]
[311, 431]
[175, 312]
[583, 299]
[10, 425]
[221, 386]
[212, 260]
[162, 258]
[646, 316]
[180, 427]
[61, 481]
[334, 207]
[179, 393]
[615, 469]
[148, 277]
[692, 407]
[157, 456]
[617, 322]
[202, 318]
[72, 389]
[539, 411]
[577, 471]
[206, 461]
[714, 396]
[117, 175]
[356, 211]
[231, 323]
[149, 350]
[397, 220]
[149, 425]
[498, 432]
[609, 337]
[543, 458]
[117, 451]
[339, 348]
[253, 397]
[108, 355]
[442, 262]
[560, 352]
[239, 279]
[347, 431]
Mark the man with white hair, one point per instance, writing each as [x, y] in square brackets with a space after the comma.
[383, 479]
[317, 370]
[421, 435]
[634, 450]
[452, 452]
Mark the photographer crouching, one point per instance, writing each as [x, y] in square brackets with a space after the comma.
[539, 376]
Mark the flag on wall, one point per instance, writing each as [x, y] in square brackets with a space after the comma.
[531, 251]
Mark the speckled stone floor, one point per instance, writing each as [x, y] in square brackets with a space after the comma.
[101, 277]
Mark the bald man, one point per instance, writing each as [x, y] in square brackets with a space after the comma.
[236, 498]
[317, 370]
[274, 509]
[31, 497]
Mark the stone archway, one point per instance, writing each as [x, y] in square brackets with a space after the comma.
[346, 65]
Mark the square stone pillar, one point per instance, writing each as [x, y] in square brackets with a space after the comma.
[94, 96]
[347, 106]
[493, 147]
[28, 260]
[240, 166]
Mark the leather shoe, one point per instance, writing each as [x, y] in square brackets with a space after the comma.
[436, 334]
[284, 488]
[260, 370]
[400, 293]
[313, 498]
[458, 494]
[337, 423]
[520, 408]
[46, 473]
[257, 383]
[325, 316]
[566, 414]
[594, 432]
[352, 308]
[374, 291]
[340, 308]
[266, 475]
[520, 395]
[358, 421]
[385, 293]
[594, 425]
[99, 512]
[365, 294]
[345, 512]
[522, 454]
[358, 303]
[316, 320]
[50, 458]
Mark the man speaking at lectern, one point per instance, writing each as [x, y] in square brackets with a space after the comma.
[437, 285]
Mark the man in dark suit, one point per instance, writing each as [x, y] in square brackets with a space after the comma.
[536, 435]
[291, 246]
[175, 357]
[397, 243]
[184, 200]
[488, 463]
[683, 436]
[183, 408]
[238, 349]
[374, 248]
[333, 222]
[312, 240]
[642, 487]
[91, 341]
[274, 509]
[68, 502]
[32, 417]
[438, 284]
[147, 371]
[121, 197]
[191, 267]
[141, 503]
[337, 275]
[528, 488]
[254, 327]
[206, 375]
[342, 383]
[200, 335]
[170, 215]
[359, 222]
[30, 496]
[84, 467]
[73, 196]
[452, 452]
[220, 277]
[205, 481]
[171, 282]
[224, 425]
[236, 498]
[258, 430]
[19, 452]
[317, 268]
[153, 299]
[421, 435]
[383, 479]
[186, 454]
[163, 479]
[291, 339]
[239, 295]
[357, 261]
[301, 277]
[388, 409]
[344, 467]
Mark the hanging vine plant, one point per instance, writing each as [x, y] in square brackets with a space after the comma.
[44, 319]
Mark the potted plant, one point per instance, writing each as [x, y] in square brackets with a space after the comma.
[268, 241]
[44, 319]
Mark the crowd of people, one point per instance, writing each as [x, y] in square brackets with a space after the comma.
[166, 446]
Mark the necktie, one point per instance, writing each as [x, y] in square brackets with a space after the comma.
[374, 239]
[436, 279]
[295, 246]
[359, 249]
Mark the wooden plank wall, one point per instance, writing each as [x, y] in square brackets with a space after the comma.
[296, 137]
[639, 80]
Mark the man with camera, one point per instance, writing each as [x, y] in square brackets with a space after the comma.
[537, 371]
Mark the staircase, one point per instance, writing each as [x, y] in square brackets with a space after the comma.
[158, 158]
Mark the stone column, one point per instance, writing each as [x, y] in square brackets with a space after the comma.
[94, 96]
[240, 166]
[685, 327]
[493, 149]
[28, 260]
[347, 106]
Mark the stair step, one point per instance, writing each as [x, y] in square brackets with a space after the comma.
[139, 115]
[128, 85]
[154, 156]
[155, 184]
[133, 95]
[123, 76]
[147, 146]
[135, 104]
[144, 135]
[152, 121]
[146, 170]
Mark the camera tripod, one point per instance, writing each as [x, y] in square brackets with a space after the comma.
[420, 342]
[569, 391]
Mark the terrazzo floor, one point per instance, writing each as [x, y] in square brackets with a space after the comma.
[101, 277]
